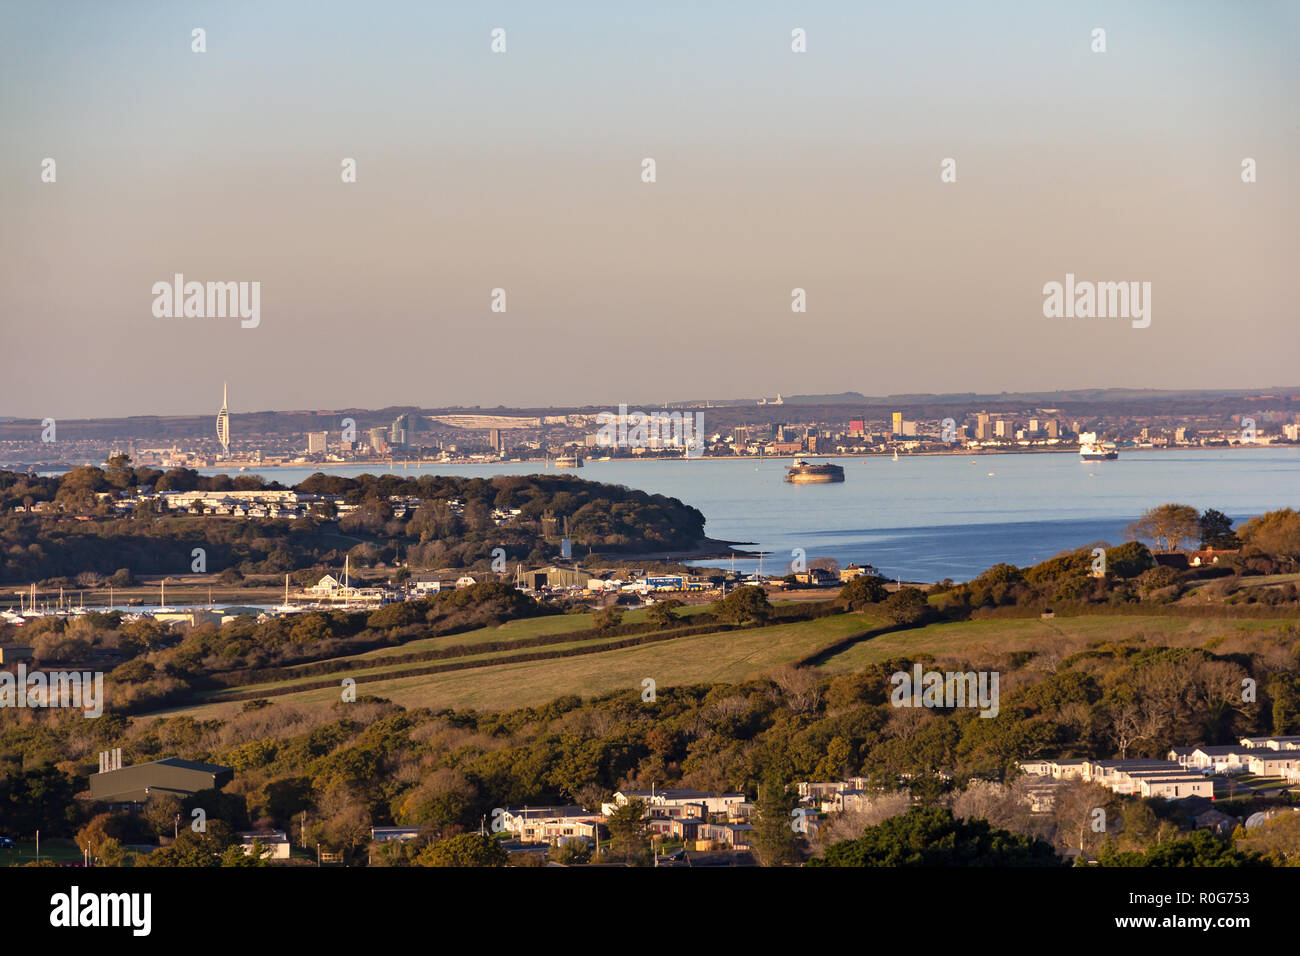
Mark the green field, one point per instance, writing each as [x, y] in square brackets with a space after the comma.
[502, 683]
[731, 656]
[985, 640]
[58, 850]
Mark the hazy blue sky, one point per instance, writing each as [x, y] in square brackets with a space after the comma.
[522, 171]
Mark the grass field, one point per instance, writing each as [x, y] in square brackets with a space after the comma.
[978, 640]
[687, 660]
[58, 850]
[725, 657]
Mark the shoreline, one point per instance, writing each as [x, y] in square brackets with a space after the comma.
[394, 465]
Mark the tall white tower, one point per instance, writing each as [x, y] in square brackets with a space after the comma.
[223, 425]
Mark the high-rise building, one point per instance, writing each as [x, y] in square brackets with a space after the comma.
[1053, 428]
[1005, 428]
[494, 439]
[401, 432]
[317, 443]
[983, 427]
[377, 440]
[223, 424]
[898, 423]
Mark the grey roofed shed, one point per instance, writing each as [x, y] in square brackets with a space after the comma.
[170, 775]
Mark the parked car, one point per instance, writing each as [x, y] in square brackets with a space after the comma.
[6, 843]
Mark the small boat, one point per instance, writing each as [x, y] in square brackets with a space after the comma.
[895, 454]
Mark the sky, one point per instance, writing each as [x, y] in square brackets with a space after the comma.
[522, 170]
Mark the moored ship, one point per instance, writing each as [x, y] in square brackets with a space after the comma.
[803, 473]
[568, 461]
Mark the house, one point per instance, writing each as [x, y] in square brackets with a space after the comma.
[1216, 820]
[681, 828]
[855, 571]
[735, 836]
[465, 581]
[552, 824]
[328, 585]
[1230, 758]
[423, 587]
[849, 801]
[661, 801]
[400, 834]
[1271, 743]
[1173, 786]
[1275, 763]
[815, 577]
[12, 653]
[1209, 556]
[1036, 768]
[817, 789]
[1119, 775]
[277, 841]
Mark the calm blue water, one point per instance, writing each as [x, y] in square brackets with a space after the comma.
[929, 517]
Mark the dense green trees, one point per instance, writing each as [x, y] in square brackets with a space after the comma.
[934, 837]
[453, 527]
[861, 592]
[465, 849]
[745, 605]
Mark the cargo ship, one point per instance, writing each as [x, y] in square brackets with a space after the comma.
[803, 473]
[568, 461]
[1091, 450]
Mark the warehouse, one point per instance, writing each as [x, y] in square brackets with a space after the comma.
[171, 775]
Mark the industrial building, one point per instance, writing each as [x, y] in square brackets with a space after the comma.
[171, 775]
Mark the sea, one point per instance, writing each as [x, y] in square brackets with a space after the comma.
[927, 517]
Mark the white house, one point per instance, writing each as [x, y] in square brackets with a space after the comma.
[277, 841]
[1276, 763]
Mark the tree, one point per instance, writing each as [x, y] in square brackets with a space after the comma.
[237, 856]
[607, 618]
[1128, 560]
[1167, 525]
[745, 605]
[1216, 531]
[1276, 533]
[861, 592]
[1277, 840]
[906, 606]
[570, 852]
[661, 614]
[1201, 848]
[627, 830]
[464, 849]
[775, 839]
[932, 836]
